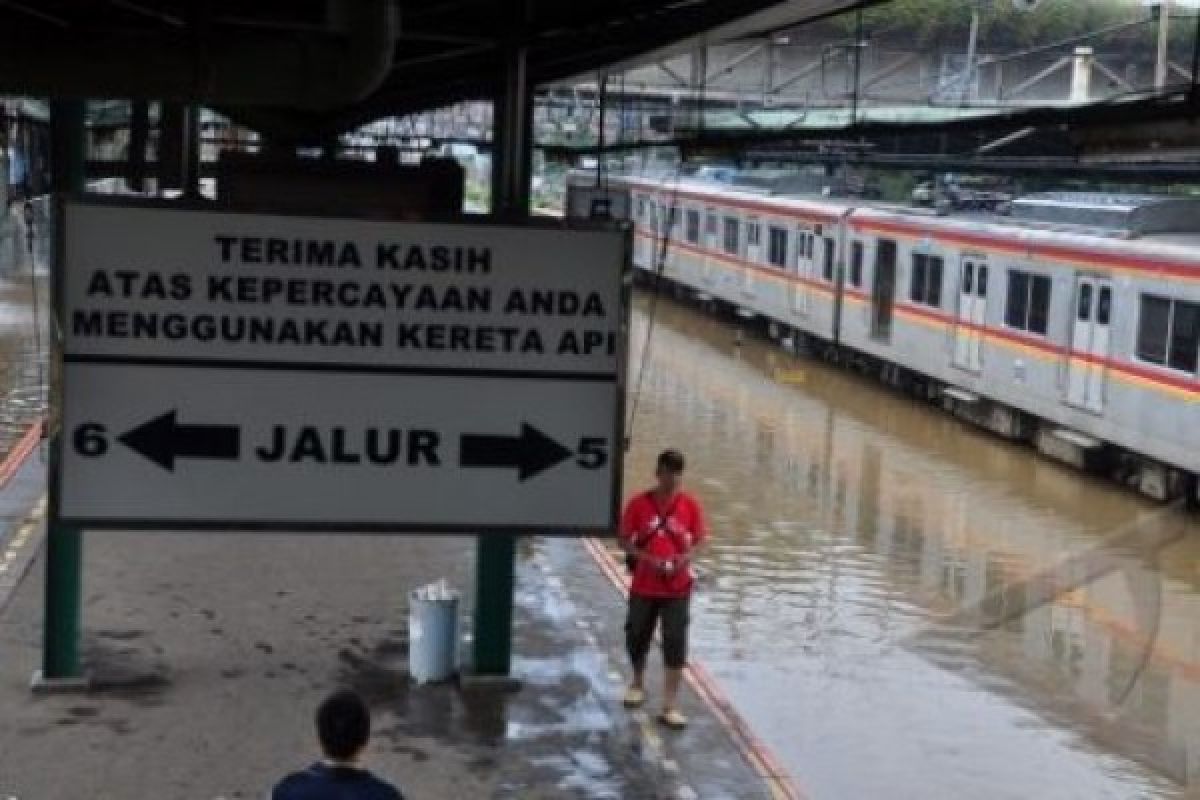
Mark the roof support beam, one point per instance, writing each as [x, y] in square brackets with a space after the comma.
[888, 71]
[730, 66]
[1036, 78]
[1111, 75]
[797, 76]
[672, 74]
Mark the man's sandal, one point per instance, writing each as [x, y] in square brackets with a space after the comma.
[634, 697]
[674, 719]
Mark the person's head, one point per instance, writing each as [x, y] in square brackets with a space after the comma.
[343, 726]
[669, 471]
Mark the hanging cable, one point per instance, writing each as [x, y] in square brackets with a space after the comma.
[659, 255]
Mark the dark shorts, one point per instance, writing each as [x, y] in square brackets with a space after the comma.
[644, 615]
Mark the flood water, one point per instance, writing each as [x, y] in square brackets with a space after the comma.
[904, 607]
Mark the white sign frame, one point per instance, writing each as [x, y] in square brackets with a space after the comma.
[92, 369]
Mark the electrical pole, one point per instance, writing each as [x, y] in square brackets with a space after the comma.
[1163, 9]
[968, 81]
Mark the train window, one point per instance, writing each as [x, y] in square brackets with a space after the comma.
[925, 286]
[710, 224]
[804, 244]
[670, 220]
[1039, 305]
[1104, 306]
[917, 279]
[753, 234]
[1169, 332]
[777, 246]
[856, 262]
[827, 263]
[641, 207]
[934, 289]
[1017, 309]
[1185, 336]
[1085, 302]
[730, 241]
[968, 278]
[1153, 325]
[692, 225]
[1028, 305]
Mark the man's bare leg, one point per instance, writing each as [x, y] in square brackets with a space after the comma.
[672, 678]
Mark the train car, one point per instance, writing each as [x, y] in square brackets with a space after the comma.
[769, 256]
[1073, 323]
[1025, 321]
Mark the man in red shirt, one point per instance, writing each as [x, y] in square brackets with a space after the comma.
[660, 530]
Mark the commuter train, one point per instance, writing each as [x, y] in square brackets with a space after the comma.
[1072, 322]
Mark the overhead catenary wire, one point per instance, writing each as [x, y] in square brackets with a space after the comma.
[660, 252]
[662, 245]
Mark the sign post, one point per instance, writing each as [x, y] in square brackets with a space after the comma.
[512, 164]
[61, 667]
[232, 371]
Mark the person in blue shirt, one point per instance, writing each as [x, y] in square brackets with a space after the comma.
[343, 728]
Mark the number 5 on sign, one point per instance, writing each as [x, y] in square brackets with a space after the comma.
[593, 452]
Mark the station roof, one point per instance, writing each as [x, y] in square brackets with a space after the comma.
[302, 69]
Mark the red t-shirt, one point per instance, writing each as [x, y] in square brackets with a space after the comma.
[667, 532]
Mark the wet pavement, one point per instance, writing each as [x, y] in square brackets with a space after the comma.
[876, 598]
[213, 649]
[208, 652]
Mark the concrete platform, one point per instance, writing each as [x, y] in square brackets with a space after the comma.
[209, 652]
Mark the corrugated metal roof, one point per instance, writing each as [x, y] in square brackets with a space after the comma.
[445, 50]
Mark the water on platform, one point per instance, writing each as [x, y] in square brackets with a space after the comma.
[23, 355]
[905, 607]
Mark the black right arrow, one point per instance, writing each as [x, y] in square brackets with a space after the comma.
[531, 452]
[162, 440]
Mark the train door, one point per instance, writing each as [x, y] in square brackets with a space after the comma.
[805, 247]
[710, 246]
[753, 255]
[972, 308]
[650, 260]
[1086, 373]
[642, 243]
[883, 290]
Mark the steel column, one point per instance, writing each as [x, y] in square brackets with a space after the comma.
[139, 125]
[64, 545]
[512, 163]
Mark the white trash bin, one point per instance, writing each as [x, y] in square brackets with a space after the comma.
[433, 633]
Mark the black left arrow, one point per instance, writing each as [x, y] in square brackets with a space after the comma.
[162, 440]
[531, 452]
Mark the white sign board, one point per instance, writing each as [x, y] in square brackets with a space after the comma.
[246, 371]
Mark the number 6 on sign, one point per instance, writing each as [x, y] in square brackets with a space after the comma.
[593, 452]
[90, 440]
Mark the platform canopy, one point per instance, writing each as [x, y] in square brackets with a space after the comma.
[298, 69]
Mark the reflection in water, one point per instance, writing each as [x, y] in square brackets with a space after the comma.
[850, 522]
[22, 357]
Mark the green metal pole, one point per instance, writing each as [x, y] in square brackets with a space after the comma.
[512, 161]
[64, 544]
[494, 580]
